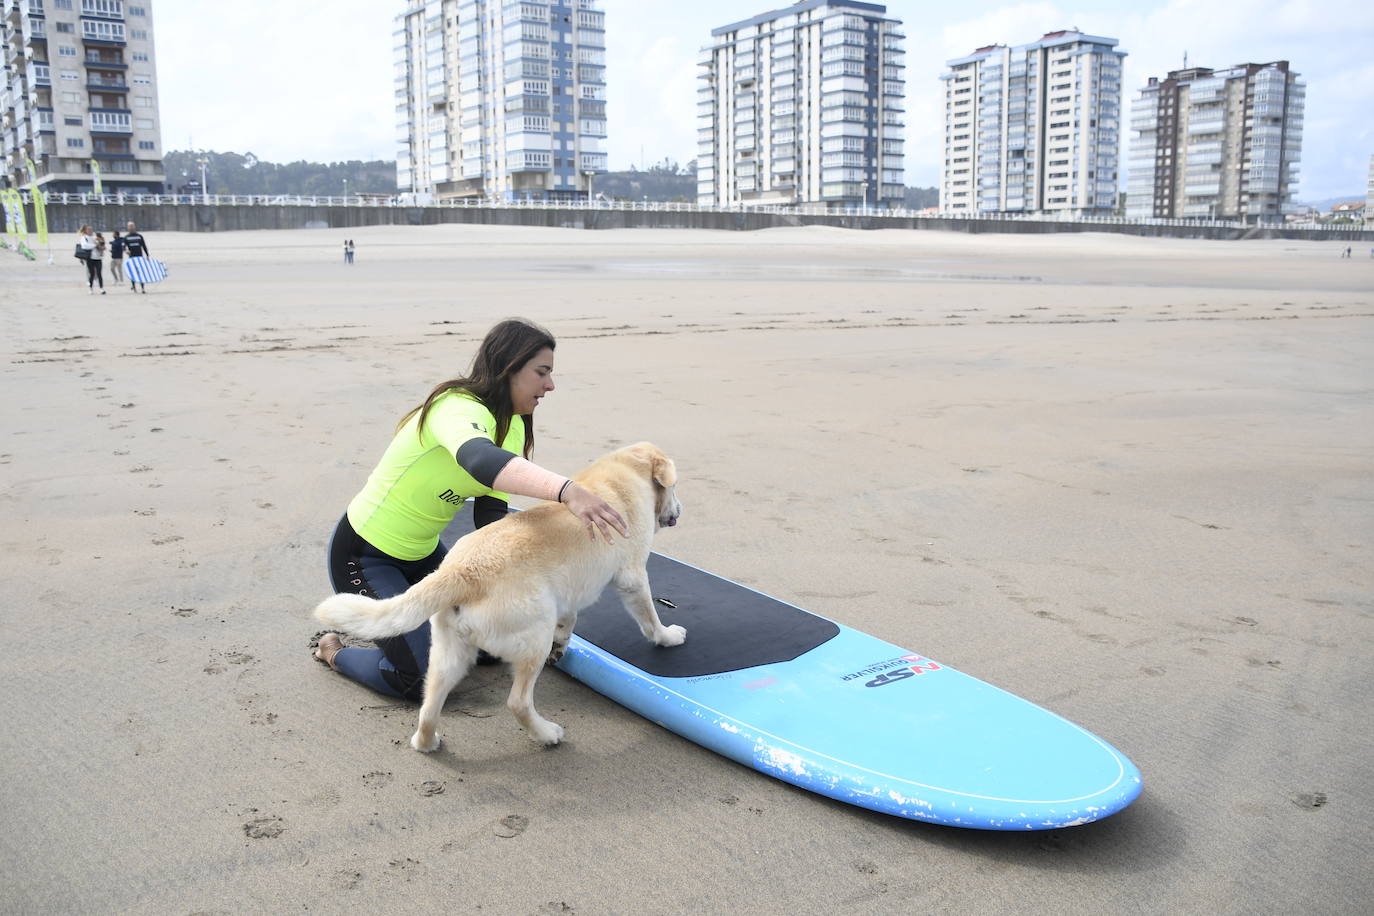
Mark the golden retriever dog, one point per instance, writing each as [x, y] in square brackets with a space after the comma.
[514, 588]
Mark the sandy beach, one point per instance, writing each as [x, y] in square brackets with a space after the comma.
[1128, 479]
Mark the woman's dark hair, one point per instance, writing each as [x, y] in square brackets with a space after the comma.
[503, 352]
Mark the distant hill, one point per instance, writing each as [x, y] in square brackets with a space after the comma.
[663, 181]
[1326, 205]
[235, 173]
[244, 173]
[669, 181]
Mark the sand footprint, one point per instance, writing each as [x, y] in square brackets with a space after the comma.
[377, 779]
[264, 828]
[512, 825]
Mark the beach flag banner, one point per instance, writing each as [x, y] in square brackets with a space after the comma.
[40, 215]
[40, 203]
[6, 199]
[145, 270]
[95, 170]
[16, 205]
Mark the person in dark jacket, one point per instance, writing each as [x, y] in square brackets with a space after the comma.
[116, 257]
[135, 246]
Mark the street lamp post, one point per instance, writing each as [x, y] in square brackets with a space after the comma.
[204, 191]
[345, 181]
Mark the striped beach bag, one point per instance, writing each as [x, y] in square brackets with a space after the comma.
[145, 270]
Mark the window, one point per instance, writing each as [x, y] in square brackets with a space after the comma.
[75, 142]
[142, 79]
[62, 4]
[141, 57]
[144, 123]
[71, 98]
[71, 75]
[65, 51]
[147, 144]
[138, 34]
[137, 11]
[72, 122]
[142, 101]
[66, 26]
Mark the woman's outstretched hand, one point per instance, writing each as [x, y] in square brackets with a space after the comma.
[594, 512]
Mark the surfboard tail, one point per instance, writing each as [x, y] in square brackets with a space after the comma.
[368, 618]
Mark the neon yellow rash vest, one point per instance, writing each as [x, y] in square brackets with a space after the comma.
[418, 486]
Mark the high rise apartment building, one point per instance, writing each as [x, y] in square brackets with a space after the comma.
[78, 98]
[1034, 128]
[1369, 196]
[1220, 144]
[803, 105]
[500, 99]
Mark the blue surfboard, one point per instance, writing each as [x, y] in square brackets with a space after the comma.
[841, 713]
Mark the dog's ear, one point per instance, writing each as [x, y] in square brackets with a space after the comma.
[665, 472]
[661, 467]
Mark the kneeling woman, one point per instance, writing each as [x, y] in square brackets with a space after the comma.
[470, 439]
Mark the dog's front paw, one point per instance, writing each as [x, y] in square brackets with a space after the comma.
[547, 733]
[556, 653]
[672, 636]
[425, 744]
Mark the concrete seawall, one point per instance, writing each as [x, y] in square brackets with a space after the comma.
[68, 218]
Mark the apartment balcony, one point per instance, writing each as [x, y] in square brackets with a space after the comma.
[102, 32]
[103, 9]
[1205, 127]
[1202, 190]
[106, 83]
[111, 122]
[108, 60]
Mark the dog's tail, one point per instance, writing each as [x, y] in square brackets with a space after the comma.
[368, 618]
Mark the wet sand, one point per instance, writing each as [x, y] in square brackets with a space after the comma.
[1128, 479]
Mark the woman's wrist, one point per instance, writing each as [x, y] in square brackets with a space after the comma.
[564, 489]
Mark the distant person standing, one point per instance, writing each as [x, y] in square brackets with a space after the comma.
[348, 251]
[135, 246]
[116, 257]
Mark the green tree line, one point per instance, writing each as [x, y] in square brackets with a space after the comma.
[245, 173]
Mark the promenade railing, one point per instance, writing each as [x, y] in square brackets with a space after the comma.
[650, 206]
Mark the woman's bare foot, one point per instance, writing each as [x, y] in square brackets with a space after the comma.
[329, 646]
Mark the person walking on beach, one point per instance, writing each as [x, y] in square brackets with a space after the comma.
[135, 246]
[116, 257]
[471, 438]
[348, 251]
[89, 250]
[97, 261]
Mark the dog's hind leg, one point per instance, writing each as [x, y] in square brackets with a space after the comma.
[633, 588]
[450, 658]
[525, 670]
[561, 634]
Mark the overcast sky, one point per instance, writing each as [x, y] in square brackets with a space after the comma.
[299, 79]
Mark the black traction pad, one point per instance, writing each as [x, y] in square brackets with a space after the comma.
[729, 626]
